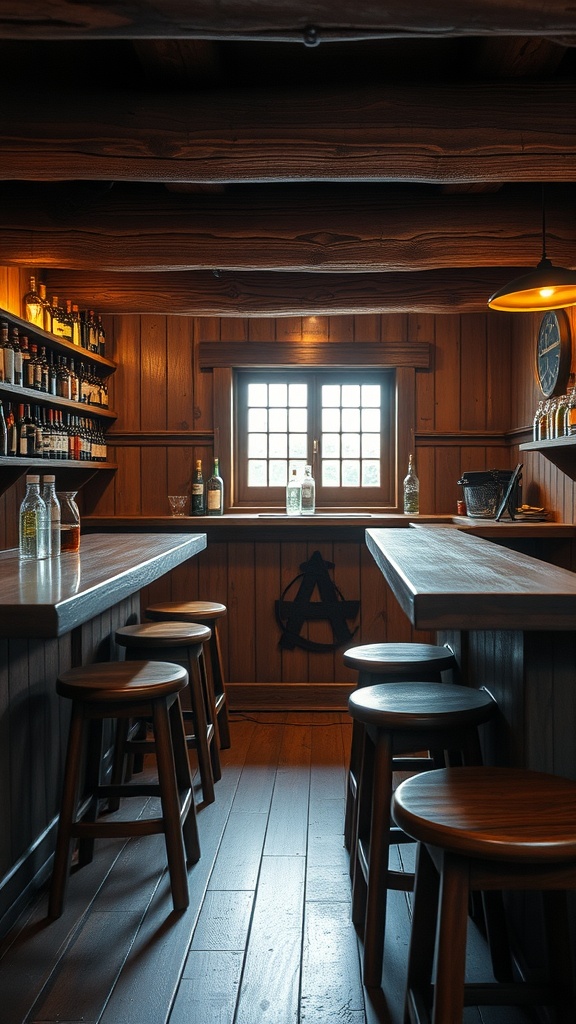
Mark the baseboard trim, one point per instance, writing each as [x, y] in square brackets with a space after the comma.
[27, 877]
[288, 696]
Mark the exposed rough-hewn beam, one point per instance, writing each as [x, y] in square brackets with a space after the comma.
[291, 228]
[307, 22]
[486, 132]
[202, 293]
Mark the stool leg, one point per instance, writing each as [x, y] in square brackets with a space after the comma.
[378, 867]
[361, 836]
[422, 938]
[211, 717]
[200, 722]
[170, 805]
[119, 762]
[451, 942]
[219, 686]
[184, 780]
[352, 785]
[68, 808]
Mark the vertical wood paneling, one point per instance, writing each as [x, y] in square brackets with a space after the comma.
[267, 590]
[153, 373]
[154, 476]
[473, 382]
[241, 589]
[500, 372]
[179, 373]
[447, 373]
[127, 376]
[295, 661]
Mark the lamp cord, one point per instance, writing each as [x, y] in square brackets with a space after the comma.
[544, 256]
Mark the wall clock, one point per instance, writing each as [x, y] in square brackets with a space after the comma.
[554, 353]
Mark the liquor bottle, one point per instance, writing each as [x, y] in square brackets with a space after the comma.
[293, 495]
[38, 433]
[61, 323]
[26, 439]
[308, 487]
[53, 510]
[411, 489]
[52, 376]
[8, 353]
[3, 432]
[74, 385]
[198, 503]
[101, 337]
[34, 533]
[25, 359]
[32, 305]
[17, 357]
[44, 371]
[12, 428]
[46, 309]
[76, 326]
[215, 492]
[29, 367]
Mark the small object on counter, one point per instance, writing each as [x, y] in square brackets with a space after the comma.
[308, 493]
[178, 503]
[293, 495]
[461, 507]
[215, 492]
[69, 521]
[198, 493]
[411, 489]
[34, 533]
[54, 513]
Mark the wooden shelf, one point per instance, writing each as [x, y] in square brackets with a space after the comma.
[59, 345]
[560, 450]
[70, 475]
[30, 396]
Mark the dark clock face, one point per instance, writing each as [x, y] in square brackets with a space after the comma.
[553, 353]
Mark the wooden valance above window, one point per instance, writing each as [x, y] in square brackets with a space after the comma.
[217, 354]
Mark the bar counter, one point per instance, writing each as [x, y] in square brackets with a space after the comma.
[50, 597]
[54, 615]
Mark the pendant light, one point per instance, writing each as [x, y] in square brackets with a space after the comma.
[546, 287]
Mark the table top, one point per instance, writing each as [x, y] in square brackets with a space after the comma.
[48, 598]
[446, 579]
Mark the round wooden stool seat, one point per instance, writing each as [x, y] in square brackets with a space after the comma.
[120, 691]
[209, 612]
[122, 681]
[180, 642]
[486, 829]
[388, 663]
[396, 719]
[400, 660]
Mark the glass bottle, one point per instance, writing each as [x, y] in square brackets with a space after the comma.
[3, 432]
[34, 533]
[198, 503]
[17, 357]
[308, 488]
[536, 422]
[551, 429]
[32, 305]
[293, 495]
[76, 326]
[8, 353]
[69, 521]
[54, 514]
[411, 489]
[61, 322]
[101, 338]
[571, 414]
[560, 420]
[215, 492]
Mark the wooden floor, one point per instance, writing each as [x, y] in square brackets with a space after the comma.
[267, 938]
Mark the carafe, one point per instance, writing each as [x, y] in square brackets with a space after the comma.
[70, 521]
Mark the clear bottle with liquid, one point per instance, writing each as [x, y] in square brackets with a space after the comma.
[69, 521]
[293, 495]
[411, 489]
[308, 487]
[215, 492]
[54, 512]
[34, 533]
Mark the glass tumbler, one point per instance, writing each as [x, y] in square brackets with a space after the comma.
[70, 521]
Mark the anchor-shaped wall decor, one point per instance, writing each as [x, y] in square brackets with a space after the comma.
[332, 607]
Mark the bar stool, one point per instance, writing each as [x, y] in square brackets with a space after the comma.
[486, 829]
[398, 718]
[118, 690]
[388, 663]
[180, 642]
[208, 612]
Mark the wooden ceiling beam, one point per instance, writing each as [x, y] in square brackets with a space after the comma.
[438, 134]
[322, 229]
[203, 293]
[293, 20]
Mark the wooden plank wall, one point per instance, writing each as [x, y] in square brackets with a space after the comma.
[479, 387]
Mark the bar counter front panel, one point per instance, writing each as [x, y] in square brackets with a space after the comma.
[54, 615]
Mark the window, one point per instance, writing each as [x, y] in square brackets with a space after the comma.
[341, 422]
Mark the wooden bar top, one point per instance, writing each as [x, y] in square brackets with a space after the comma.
[50, 597]
[446, 579]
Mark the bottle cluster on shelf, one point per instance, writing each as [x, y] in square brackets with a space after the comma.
[27, 365]
[83, 328]
[35, 432]
[556, 417]
[301, 493]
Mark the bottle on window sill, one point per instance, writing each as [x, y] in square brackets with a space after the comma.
[308, 493]
[215, 492]
[198, 499]
[293, 495]
[411, 489]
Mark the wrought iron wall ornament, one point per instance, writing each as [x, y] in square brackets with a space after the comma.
[332, 607]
